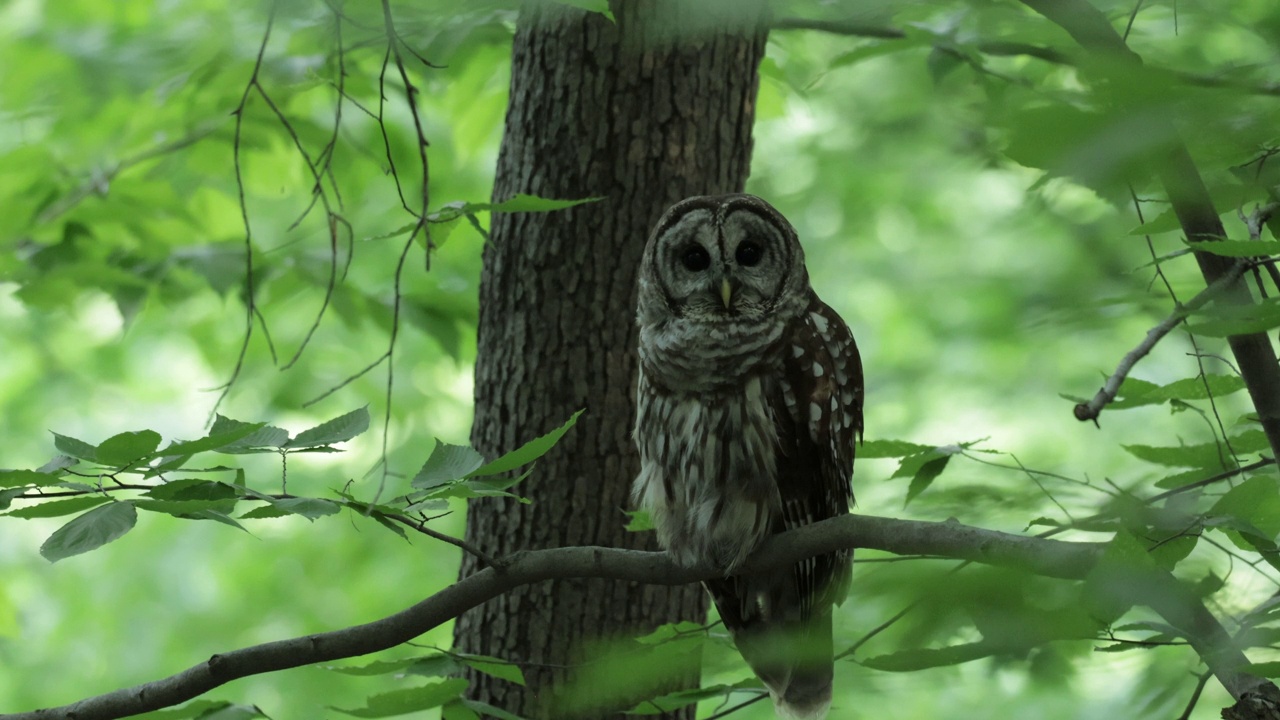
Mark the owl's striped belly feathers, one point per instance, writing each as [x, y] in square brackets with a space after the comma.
[708, 471]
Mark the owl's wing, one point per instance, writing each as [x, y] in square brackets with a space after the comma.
[781, 621]
[819, 420]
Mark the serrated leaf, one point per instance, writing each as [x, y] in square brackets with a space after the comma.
[192, 489]
[919, 659]
[7, 496]
[1166, 221]
[530, 203]
[127, 447]
[212, 441]
[1137, 394]
[183, 508]
[22, 478]
[495, 667]
[889, 449]
[339, 429]
[400, 702]
[528, 452]
[59, 462]
[266, 436]
[264, 512]
[90, 530]
[75, 448]
[58, 508]
[436, 665]
[402, 230]
[1255, 501]
[595, 6]
[309, 508]
[925, 476]
[1206, 455]
[1219, 320]
[446, 464]
[457, 710]
[1237, 248]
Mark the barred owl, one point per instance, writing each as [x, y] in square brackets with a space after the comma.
[748, 403]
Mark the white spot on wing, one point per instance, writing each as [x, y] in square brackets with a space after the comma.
[819, 322]
[815, 413]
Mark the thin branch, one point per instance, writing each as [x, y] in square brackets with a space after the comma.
[1109, 390]
[1195, 695]
[249, 301]
[421, 526]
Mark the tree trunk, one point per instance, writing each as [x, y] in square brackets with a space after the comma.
[642, 113]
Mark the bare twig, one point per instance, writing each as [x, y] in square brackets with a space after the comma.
[1090, 410]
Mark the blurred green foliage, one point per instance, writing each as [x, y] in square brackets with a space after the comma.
[969, 207]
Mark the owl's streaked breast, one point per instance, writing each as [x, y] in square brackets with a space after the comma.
[708, 470]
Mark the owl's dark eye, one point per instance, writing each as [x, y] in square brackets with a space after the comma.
[749, 253]
[695, 258]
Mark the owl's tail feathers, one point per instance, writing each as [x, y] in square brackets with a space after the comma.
[795, 662]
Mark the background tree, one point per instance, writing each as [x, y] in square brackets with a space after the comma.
[967, 180]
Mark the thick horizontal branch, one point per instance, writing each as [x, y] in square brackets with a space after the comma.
[1053, 558]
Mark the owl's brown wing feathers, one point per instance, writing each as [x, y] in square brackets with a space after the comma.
[782, 621]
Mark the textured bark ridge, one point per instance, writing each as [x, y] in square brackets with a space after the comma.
[644, 112]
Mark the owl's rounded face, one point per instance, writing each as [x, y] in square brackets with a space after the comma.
[720, 259]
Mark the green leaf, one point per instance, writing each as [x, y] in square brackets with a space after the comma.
[1166, 221]
[638, 521]
[90, 530]
[339, 429]
[400, 702]
[1218, 320]
[192, 489]
[75, 448]
[187, 509]
[530, 203]
[58, 508]
[925, 476]
[435, 665]
[1113, 585]
[889, 449]
[310, 508]
[22, 478]
[1237, 248]
[446, 464]
[213, 441]
[528, 452]
[495, 667]
[128, 447]
[1206, 455]
[266, 436]
[59, 462]
[1255, 501]
[1137, 394]
[922, 658]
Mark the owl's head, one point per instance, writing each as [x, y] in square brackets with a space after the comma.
[722, 258]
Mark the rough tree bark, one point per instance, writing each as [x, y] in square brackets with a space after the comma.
[642, 112]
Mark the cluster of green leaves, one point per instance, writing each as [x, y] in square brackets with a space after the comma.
[451, 471]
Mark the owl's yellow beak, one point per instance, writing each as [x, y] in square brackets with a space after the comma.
[726, 292]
